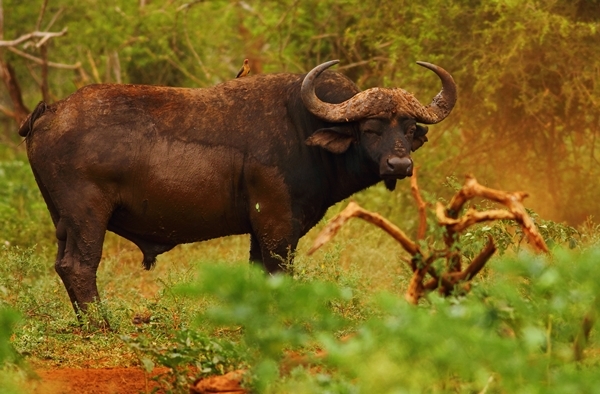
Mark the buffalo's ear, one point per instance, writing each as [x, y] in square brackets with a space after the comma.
[334, 139]
[419, 138]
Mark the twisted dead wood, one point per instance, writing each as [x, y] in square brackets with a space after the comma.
[421, 206]
[513, 201]
[421, 264]
[354, 210]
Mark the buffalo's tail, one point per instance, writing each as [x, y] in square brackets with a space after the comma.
[27, 125]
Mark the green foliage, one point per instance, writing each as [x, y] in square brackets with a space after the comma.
[518, 332]
[23, 215]
[189, 348]
[509, 236]
[8, 319]
[10, 361]
[275, 311]
[513, 334]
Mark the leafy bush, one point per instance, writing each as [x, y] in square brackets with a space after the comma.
[8, 318]
[276, 313]
[24, 218]
[517, 333]
[189, 354]
[10, 379]
[525, 328]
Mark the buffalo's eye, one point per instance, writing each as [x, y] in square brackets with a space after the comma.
[373, 126]
[410, 130]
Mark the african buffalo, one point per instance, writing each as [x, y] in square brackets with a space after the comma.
[264, 155]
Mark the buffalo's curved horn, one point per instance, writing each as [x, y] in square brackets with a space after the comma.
[444, 101]
[380, 101]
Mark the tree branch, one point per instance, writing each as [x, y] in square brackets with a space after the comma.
[39, 61]
[454, 278]
[20, 111]
[470, 218]
[513, 201]
[421, 206]
[45, 36]
[354, 210]
[41, 16]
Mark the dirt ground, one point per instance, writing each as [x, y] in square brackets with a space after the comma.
[94, 381]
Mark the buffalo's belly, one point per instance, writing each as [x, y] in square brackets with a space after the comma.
[183, 193]
[176, 223]
[180, 217]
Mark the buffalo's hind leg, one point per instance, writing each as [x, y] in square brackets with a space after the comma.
[80, 240]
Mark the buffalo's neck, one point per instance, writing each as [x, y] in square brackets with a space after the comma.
[352, 175]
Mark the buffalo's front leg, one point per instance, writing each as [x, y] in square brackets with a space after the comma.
[273, 254]
[274, 235]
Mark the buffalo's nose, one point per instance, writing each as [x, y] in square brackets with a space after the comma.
[400, 165]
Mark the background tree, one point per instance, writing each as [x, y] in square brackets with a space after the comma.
[527, 70]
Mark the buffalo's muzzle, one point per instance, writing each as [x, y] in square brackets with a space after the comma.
[396, 167]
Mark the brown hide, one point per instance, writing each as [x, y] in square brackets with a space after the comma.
[162, 166]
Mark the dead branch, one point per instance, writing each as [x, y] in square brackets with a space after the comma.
[448, 281]
[39, 61]
[44, 35]
[479, 262]
[470, 218]
[421, 264]
[54, 18]
[39, 39]
[415, 288]
[472, 189]
[421, 206]
[354, 210]
[513, 201]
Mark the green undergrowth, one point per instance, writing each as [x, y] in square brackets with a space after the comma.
[13, 369]
[521, 331]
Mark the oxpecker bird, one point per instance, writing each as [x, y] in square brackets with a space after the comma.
[245, 70]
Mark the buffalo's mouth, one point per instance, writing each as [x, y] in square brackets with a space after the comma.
[392, 168]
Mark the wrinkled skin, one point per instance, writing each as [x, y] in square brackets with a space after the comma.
[164, 166]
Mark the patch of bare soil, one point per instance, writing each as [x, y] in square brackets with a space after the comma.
[95, 381]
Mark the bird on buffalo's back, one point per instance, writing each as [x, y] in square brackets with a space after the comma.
[245, 70]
